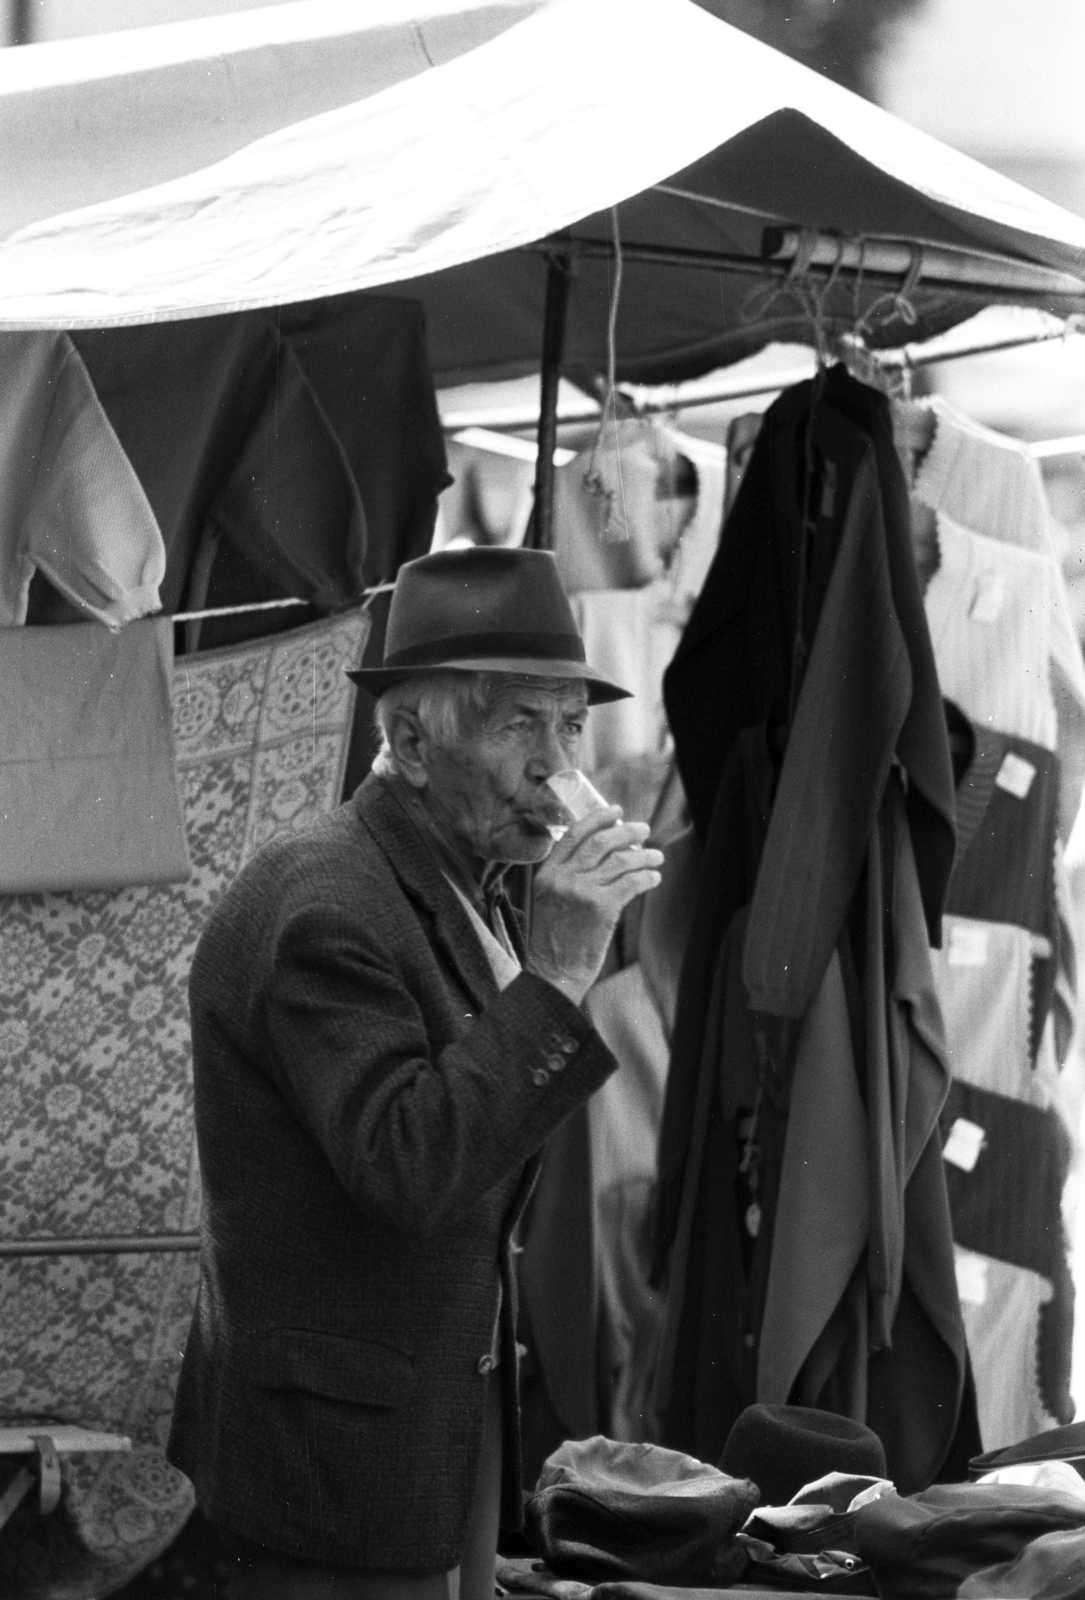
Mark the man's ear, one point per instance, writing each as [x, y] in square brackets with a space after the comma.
[407, 739]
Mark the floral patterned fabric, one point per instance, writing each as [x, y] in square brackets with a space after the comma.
[96, 1127]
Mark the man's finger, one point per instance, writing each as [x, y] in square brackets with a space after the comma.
[606, 841]
[631, 885]
[620, 863]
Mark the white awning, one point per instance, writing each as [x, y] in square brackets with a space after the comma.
[318, 147]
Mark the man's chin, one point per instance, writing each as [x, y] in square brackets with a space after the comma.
[526, 845]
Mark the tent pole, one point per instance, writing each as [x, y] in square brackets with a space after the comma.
[555, 316]
[20, 24]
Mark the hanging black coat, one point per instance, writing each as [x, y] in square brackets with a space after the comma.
[819, 778]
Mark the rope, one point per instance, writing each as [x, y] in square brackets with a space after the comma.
[615, 530]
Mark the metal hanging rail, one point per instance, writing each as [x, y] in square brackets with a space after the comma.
[882, 263]
[657, 400]
[938, 265]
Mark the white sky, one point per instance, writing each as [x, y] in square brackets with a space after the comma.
[989, 76]
[66, 19]
[993, 76]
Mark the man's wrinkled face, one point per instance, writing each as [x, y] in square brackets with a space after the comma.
[487, 792]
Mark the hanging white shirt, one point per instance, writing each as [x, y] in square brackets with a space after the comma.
[71, 505]
[990, 483]
[989, 608]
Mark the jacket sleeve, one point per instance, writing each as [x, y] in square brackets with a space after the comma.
[415, 1135]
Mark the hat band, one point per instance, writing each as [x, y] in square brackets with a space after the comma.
[472, 646]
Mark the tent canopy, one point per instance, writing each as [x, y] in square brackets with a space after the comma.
[317, 148]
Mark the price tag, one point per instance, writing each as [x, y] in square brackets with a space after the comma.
[967, 945]
[962, 1148]
[989, 597]
[971, 1277]
[1015, 775]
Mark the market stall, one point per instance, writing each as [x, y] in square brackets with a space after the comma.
[228, 168]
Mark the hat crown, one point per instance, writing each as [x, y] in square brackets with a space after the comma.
[783, 1448]
[480, 603]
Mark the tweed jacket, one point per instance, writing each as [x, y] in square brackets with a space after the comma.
[369, 1112]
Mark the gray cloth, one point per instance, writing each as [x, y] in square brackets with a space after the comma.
[88, 788]
[368, 1108]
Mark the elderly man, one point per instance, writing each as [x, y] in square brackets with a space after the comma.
[381, 1051]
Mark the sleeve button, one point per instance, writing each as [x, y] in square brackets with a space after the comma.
[486, 1365]
[540, 1077]
[569, 1046]
[556, 1063]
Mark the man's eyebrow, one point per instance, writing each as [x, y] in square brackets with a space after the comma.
[539, 707]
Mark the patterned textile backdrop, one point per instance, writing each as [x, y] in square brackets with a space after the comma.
[96, 1128]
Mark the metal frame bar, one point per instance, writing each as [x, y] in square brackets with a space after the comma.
[555, 320]
[907, 357]
[996, 279]
[942, 264]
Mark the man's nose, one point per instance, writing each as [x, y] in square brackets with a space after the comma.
[548, 756]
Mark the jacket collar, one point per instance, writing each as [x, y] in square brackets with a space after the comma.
[418, 870]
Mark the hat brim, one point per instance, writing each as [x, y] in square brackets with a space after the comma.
[600, 690]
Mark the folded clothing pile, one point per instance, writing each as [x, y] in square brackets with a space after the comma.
[606, 1511]
[976, 1539]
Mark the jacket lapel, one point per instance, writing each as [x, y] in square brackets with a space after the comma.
[416, 867]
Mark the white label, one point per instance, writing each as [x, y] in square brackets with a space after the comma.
[971, 1277]
[1015, 775]
[962, 1148]
[989, 597]
[967, 945]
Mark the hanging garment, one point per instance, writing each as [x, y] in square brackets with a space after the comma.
[983, 976]
[1006, 1200]
[1002, 648]
[1007, 805]
[228, 438]
[1002, 1306]
[88, 792]
[624, 1117]
[560, 1391]
[700, 538]
[1024, 1155]
[290, 511]
[984, 480]
[96, 1130]
[742, 432]
[366, 359]
[71, 505]
[823, 878]
[621, 508]
[630, 634]
[1008, 864]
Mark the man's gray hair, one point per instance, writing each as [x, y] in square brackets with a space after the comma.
[449, 704]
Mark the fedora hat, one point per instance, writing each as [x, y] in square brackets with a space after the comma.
[483, 610]
[783, 1448]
